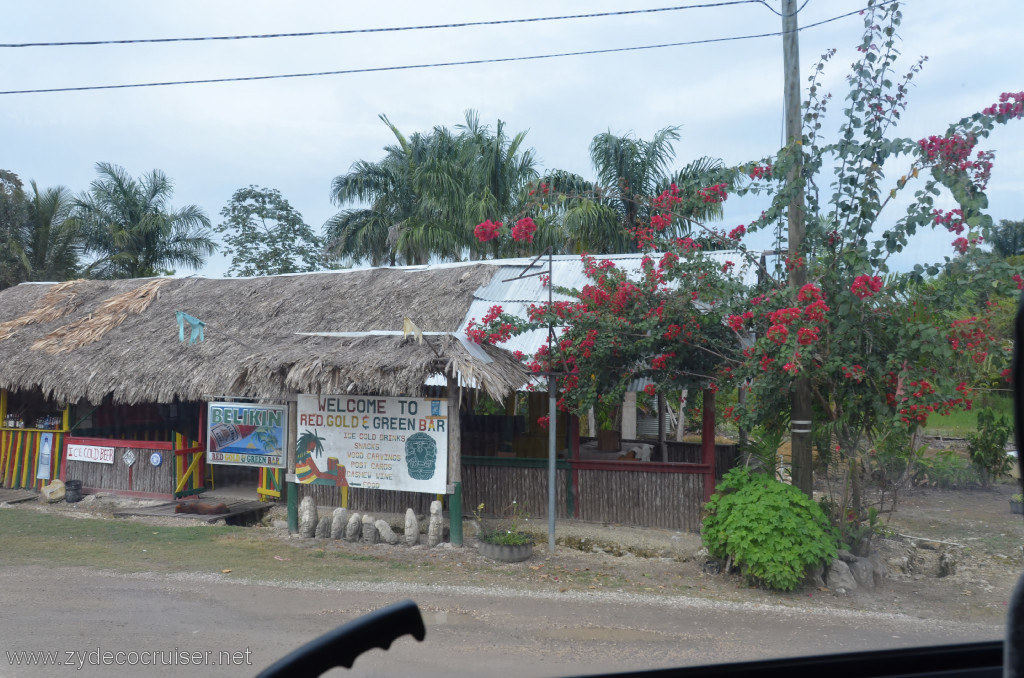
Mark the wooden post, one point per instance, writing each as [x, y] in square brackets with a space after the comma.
[573, 497]
[629, 431]
[662, 445]
[707, 443]
[800, 413]
[291, 487]
[454, 462]
[681, 422]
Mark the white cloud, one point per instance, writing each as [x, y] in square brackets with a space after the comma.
[296, 135]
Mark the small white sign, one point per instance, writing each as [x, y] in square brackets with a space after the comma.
[155, 459]
[93, 453]
[128, 457]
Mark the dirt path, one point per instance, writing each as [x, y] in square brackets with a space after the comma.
[479, 631]
[972, 532]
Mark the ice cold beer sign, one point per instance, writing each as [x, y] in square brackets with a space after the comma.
[373, 442]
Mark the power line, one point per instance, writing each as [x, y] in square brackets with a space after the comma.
[775, 11]
[470, 62]
[497, 22]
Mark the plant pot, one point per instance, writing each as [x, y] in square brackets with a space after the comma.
[609, 441]
[506, 553]
[1017, 507]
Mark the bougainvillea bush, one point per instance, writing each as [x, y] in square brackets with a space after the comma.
[880, 348]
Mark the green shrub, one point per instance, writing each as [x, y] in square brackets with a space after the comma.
[946, 469]
[988, 445]
[772, 530]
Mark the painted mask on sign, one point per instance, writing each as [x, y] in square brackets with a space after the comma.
[421, 456]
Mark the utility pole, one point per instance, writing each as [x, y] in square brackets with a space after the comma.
[800, 414]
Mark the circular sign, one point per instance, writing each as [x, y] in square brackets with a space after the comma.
[155, 459]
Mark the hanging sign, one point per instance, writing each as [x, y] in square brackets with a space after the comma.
[128, 458]
[373, 442]
[244, 434]
[93, 453]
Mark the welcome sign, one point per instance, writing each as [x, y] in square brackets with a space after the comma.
[373, 442]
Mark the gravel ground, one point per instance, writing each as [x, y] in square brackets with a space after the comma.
[972, 529]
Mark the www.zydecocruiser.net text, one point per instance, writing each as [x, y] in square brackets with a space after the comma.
[80, 659]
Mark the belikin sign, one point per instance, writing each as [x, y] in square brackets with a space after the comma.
[373, 442]
[243, 434]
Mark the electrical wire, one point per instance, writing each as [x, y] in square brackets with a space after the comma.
[773, 10]
[442, 64]
[497, 22]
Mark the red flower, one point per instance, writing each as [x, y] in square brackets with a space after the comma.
[784, 316]
[713, 194]
[650, 390]
[807, 335]
[487, 230]
[544, 422]
[866, 285]
[736, 321]
[953, 220]
[738, 232]
[1007, 109]
[809, 292]
[523, 230]
[777, 334]
[816, 310]
[758, 172]
[659, 362]
[492, 314]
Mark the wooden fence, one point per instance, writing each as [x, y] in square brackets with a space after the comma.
[140, 479]
[189, 471]
[19, 457]
[644, 494]
[496, 482]
[726, 455]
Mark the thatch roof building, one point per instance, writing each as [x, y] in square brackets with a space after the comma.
[92, 338]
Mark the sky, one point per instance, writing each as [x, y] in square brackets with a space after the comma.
[297, 134]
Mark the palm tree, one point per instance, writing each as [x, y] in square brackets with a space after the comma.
[403, 222]
[501, 171]
[1007, 239]
[428, 192]
[132, 229]
[596, 215]
[14, 264]
[53, 237]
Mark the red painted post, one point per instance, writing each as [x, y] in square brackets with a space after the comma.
[707, 443]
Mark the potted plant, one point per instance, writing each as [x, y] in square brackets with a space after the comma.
[609, 433]
[1017, 504]
[507, 543]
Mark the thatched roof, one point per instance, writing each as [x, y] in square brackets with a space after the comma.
[90, 338]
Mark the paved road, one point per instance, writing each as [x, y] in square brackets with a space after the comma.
[469, 631]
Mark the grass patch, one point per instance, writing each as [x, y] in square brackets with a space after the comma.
[959, 423]
[32, 538]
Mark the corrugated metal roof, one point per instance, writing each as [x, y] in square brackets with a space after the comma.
[569, 273]
[515, 294]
